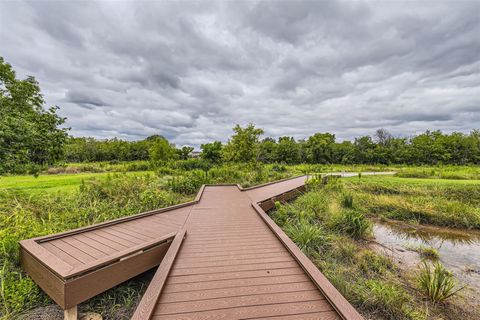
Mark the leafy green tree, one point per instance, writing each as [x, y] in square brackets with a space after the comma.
[160, 150]
[319, 148]
[429, 148]
[212, 151]
[365, 149]
[30, 136]
[243, 145]
[343, 152]
[184, 152]
[288, 150]
[267, 150]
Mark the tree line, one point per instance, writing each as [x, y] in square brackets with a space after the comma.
[32, 137]
[430, 147]
[246, 145]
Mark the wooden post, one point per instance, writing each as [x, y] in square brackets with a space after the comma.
[70, 314]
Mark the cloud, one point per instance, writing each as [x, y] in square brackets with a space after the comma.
[190, 71]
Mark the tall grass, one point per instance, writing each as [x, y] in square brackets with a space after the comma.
[23, 216]
[352, 223]
[310, 238]
[326, 231]
[436, 282]
[451, 205]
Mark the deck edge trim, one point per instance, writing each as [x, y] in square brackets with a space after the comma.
[148, 302]
[269, 183]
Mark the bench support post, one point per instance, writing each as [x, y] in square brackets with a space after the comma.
[70, 314]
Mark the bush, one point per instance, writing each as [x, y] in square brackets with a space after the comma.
[189, 183]
[279, 168]
[138, 166]
[192, 164]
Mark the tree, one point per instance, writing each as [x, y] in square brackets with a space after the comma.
[212, 151]
[161, 150]
[319, 148]
[343, 152]
[184, 152]
[243, 146]
[30, 136]
[287, 151]
[383, 137]
[267, 150]
[364, 150]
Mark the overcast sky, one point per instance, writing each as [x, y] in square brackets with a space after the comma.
[192, 70]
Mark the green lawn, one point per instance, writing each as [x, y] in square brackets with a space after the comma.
[50, 183]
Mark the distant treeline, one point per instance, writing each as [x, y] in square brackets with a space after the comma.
[430, 147]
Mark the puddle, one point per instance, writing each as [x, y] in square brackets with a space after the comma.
[459, 250]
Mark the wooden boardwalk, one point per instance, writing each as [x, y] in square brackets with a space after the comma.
[234, 263]
[220, 256]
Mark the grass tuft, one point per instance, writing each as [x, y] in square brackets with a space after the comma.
[436, 282]
[310, 238]
[352, 223]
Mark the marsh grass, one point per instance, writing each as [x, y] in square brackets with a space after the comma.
[347, 200]
[436, 282]
[316, 223]
[309, 237]
[427, 252]
[352, 223]
[428, 202]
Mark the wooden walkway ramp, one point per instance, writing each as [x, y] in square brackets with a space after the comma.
[220, 257]
[233, 262]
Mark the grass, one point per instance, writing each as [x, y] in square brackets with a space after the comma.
[427, 201]
[316, 222]
[427, 252]
[339, 210]
[49, 183]
[436, 282]
[329, 223]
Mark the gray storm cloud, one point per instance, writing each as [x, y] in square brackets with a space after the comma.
[191, 70]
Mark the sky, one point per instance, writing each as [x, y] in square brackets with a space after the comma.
[192, 70]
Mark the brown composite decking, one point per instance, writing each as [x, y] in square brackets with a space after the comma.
[232, 262]
[220, 256]
[76, 265]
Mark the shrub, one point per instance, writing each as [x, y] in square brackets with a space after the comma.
[279, 168]
[436, 282]
[189, 183]
[192, 164]
[138, 166]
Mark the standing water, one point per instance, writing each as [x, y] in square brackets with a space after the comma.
[459, 250]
